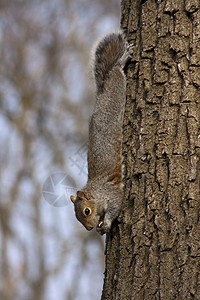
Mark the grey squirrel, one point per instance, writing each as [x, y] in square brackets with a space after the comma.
[99, 202]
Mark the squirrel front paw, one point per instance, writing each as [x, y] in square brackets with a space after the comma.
[103, 227]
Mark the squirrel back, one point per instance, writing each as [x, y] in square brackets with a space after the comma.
[99, 202]
[108, 53]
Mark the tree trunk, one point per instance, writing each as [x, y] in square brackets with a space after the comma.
[153, 250]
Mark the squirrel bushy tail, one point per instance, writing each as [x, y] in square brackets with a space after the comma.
[107, 55]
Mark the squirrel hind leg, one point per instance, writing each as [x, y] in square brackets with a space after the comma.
[127, 55]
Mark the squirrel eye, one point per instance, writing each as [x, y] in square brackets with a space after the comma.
[87, 211]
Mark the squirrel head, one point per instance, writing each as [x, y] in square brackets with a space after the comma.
[84, 209]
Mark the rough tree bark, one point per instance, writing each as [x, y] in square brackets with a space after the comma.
[153, 251]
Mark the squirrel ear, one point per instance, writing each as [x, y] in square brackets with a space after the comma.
[83, 195]
[73, 199]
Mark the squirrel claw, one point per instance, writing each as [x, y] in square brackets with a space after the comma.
[127, 55]
[130, 49]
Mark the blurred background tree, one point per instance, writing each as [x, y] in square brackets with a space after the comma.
[46, 95]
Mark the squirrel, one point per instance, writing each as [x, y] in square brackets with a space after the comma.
[99, 202]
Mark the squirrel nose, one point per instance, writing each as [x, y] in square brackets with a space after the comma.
[89, 227]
